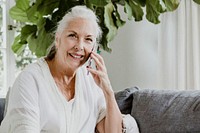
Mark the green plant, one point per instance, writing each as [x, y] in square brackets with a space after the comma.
[38, 18]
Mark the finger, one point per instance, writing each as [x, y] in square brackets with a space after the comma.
[98, 63]
[93, 71]
[98, 57]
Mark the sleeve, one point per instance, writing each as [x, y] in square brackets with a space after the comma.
[101, 107]
[23, 110]
[129, 124]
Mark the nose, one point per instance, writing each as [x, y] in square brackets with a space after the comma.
[79, 46]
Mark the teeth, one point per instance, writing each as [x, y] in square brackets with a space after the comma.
[75, 56]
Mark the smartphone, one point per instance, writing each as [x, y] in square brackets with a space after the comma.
[90, 59]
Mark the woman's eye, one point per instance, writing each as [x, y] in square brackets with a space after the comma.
[72, 35]
[89, 39]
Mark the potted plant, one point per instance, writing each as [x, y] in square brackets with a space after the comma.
[38, 19]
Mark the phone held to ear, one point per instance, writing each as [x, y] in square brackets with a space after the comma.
[90, 59]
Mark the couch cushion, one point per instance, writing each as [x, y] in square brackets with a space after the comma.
[124, 99]
[167, 111]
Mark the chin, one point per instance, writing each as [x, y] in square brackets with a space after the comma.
[76, 66]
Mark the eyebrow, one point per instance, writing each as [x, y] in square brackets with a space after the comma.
[72, 31]
[77, 33]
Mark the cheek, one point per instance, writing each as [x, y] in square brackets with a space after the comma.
[87, 53]
[88, 49]
[66, 44]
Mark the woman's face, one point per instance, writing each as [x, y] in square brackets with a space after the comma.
[75, 43]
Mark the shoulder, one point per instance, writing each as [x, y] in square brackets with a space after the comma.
[31, 74]
[34, 69]
[29, 80]
[36, 66]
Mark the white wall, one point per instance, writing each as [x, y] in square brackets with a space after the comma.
[133, 61]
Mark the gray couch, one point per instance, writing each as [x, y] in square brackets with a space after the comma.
[162, 111]
[157, 111]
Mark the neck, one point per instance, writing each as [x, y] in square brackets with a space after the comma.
[60, 73]
[65, 80]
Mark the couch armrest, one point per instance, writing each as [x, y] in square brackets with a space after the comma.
[124, 99]
[2, 108]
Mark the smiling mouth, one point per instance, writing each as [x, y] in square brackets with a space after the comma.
[76, 56]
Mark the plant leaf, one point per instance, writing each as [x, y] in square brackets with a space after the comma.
[171, 5]
[88, 4]
[16, 41]
[153, 9]
[117, 19]
[47, 6]
[141, 2]
[18, 47]
[18, 12]
[105, 44]
[28, 30]
[62, 8]
[100, 11]
[100, 3]
[133, 10]
[50, 26]
[40, 44]
[197, 1]
[32, 42]
[23, 4]
[46, 41]
[128, 10]
[112, 29]
[32, 14]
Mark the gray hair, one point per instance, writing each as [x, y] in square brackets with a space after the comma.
[75, 12]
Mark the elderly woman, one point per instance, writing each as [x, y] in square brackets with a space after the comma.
[58, 93]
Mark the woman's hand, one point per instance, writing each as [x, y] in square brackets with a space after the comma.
[112, 123]
[100, 73]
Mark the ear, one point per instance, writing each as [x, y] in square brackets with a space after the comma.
[57, 39]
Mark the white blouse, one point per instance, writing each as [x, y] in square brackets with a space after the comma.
[37, 106]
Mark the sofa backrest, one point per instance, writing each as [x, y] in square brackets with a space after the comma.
[164, 111]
